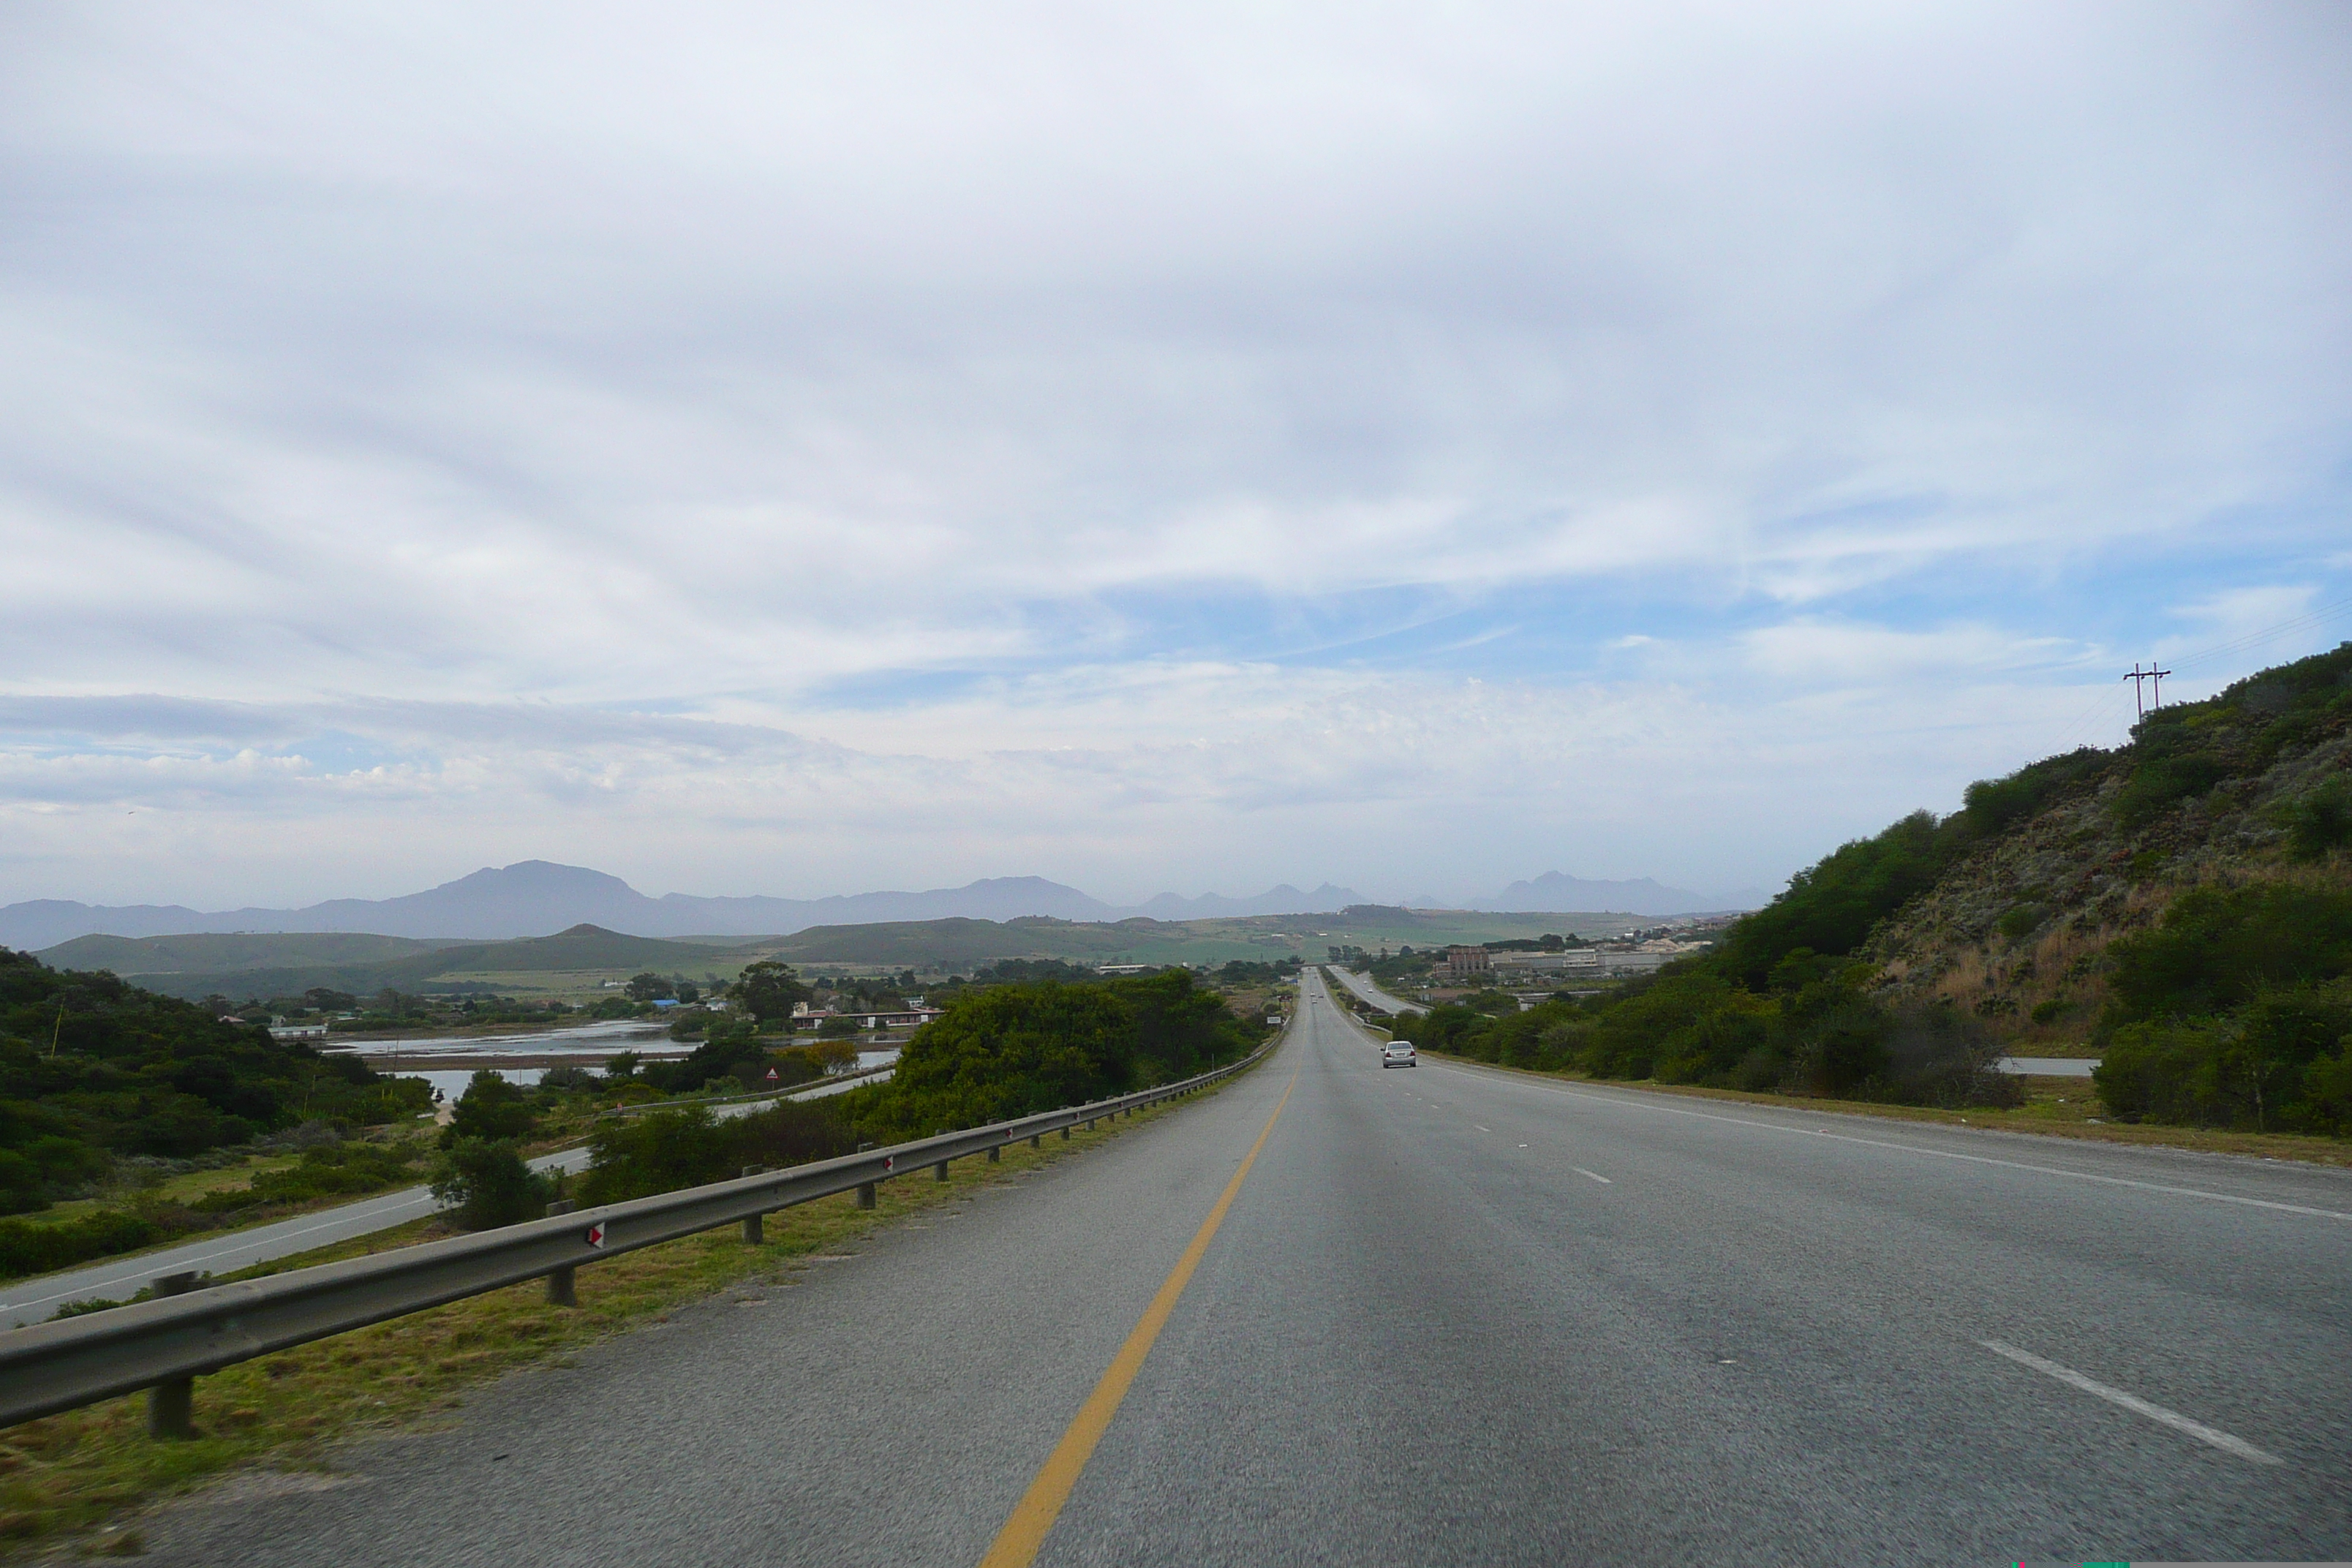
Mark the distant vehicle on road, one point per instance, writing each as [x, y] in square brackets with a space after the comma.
[1396, 1054]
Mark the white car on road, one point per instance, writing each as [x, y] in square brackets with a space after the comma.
[1397, 1053]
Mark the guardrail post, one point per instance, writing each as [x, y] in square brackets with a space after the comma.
[754, 1232]
[940, 1170]
[864, 1189]
[561, 1288]
[1065, 1134]
[995, 1152]
[171, 1404]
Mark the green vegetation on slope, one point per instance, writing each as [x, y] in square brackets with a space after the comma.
[2236, 1011]
[265, 966]
[2233, 1010]
[223, 952]
[92, 1067]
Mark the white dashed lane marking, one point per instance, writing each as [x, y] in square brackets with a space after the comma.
[2133, 1402]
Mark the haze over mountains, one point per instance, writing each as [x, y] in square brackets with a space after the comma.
[532, 898]
[1644, 896]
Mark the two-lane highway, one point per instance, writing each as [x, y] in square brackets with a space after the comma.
[1447, 1315]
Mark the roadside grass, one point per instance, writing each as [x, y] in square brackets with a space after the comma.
[2054, 1106]
[566, 1125]
[73, 1482]
[184, 1186]
[176, 1193]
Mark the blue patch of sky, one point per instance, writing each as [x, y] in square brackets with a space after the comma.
[2071, 617]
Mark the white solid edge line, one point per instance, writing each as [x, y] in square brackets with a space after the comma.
[1582, 1171]
[2133, 1402]
[1639, 1104]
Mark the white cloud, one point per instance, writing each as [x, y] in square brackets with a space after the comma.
[470, 389]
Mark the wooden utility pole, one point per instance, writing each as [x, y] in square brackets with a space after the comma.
[2152, 674]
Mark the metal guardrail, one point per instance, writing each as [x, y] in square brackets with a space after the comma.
[163, 1344]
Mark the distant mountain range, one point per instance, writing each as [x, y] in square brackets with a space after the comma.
[532, 898]
[1644, 896]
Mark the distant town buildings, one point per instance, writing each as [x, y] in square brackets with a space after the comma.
[807, 1017]
[1463, 964]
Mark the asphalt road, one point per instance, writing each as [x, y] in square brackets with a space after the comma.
[33, 1300]
[1361, 985]
[1452, 1316]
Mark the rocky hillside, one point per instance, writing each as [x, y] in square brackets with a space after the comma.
[2067, 856]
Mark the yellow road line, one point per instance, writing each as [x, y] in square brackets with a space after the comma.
[1032, 1517]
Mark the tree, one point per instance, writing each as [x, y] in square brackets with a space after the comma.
[648, 987]
[768, 990]
[833, 1056]
[491, 1109]
[486, 1183]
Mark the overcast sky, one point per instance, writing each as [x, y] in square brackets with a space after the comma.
[800, 449]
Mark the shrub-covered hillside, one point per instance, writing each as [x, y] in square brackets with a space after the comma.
[92, 1067]
[2184, 901]
[2255, 784]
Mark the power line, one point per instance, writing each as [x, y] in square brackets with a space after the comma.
[2094, 716]
[2309, 619]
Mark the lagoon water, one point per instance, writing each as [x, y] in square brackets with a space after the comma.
[412, 1058]
[588, 1040]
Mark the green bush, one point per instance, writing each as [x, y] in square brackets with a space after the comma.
[2278, 1064]
[27, 1247]
[1993, 807]
[2216, 949]
[658, 1151]
[663, 1151]
[2162, 781]
[491, 1109]
[1937, 1056]
[1013, 1050]
[337, 1170]
[483, 1182]
[2020, 922]
[2320, 821]
[733, 1054]
[2159, 1072]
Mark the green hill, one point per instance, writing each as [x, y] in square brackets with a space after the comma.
[92, 1067]
[2182, 904]
[583, 947]
[220, 953]
[957, 942]
[412, 967]
[964, 943]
